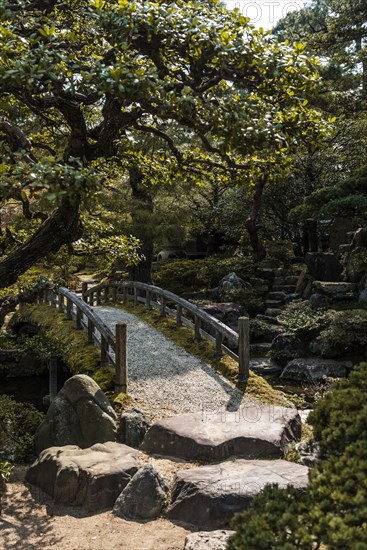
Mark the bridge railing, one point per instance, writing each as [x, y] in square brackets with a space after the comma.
[183, 311]
[112, 345]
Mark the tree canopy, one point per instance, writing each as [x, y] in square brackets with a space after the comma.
[81, 81]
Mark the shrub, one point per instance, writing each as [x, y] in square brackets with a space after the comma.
[18, 424]
[333, 512]
[346, 332]
[193, 275]
[301, 318]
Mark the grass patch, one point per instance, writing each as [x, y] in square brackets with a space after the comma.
[255, 386]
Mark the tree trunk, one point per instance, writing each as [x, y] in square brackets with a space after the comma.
[60, 228]
[142, 207]
[251, 223]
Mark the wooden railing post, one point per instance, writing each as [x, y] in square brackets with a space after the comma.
[90, 331]
[84, 290]
[197, 337]
[218, 344]
[78, 318]
[178, 316]
[121, 358]
[53, 298]
[125, 295]
[135, 296]
[115, 294]
[107, 294]
[99, 297]
[147, 300]
[163, 305]
[243, 348]
[69, 307]
[104, 350]
[61, 302]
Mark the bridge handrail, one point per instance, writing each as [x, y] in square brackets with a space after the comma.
[240, 339]
[108, 341]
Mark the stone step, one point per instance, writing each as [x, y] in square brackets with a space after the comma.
[260, 349]
[291, 280]
[271, 312]
[274, 304]
[283, 288]
[208, 496]
[266, 319]
[276, 296]
[265, 366]
[292, 297]
[253, 431]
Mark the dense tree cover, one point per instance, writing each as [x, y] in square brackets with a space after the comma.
[82, 81]
[336, 31]
[333, 512]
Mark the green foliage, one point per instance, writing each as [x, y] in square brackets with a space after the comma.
[193, 275]
[251, 298]
[79, 356]
[346, 332]
[305, 321]
[18, 424]
[333, 512]
[5, 470]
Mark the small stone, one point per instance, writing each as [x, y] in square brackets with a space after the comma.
[208, 540]
[132, 429]
[144, 497]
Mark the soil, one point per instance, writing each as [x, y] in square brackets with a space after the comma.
[31, 521]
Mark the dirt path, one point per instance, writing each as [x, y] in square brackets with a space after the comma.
[31, 521]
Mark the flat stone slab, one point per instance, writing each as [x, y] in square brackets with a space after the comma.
[209, 496]
[92, 478]
[251, 432]
[265, 366]
[208, 540]
[314, 369]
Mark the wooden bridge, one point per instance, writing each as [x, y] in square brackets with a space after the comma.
[113, 344]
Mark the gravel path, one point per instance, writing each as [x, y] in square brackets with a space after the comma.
[163, 378]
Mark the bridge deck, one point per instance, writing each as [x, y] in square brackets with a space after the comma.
[163, 378]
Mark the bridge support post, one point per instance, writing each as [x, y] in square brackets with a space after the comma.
[243, 348]
[121, 358]
[218, 345]
[53, 378]
[84, 290]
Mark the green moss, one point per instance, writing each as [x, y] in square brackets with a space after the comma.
[71, 344]
[255, 386]
[105, 378]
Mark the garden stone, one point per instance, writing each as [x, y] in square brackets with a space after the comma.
[287, 346]
[132, 429]
[208, 496]
[313, 369]
[323, 266]
[208, 540]
[308, 453]
[226, 312]
[318, 300]
[229, 283]
[144, 497]
[251, 432]
[79, 415]
[363, 296]
[334, 291]
[92, 478]
[265, 366]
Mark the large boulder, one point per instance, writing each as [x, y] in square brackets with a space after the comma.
[251, 432]
[226, 312]
[208, 496]
[208, 540]
[79, 415]
[286, 346]
[145, 495]
[132, 428]
[334, 291]
[314, 370]
[229, 283]
[323, 266]
[92, 478]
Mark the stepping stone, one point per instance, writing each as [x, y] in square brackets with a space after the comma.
[314, 369]
[274, 304]
[208, 540]
[277, 296]
[251, 432]
[92, 478]
[288, 289]
[265, 366]
[208, 496]
[271, 312]
[260, 349]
